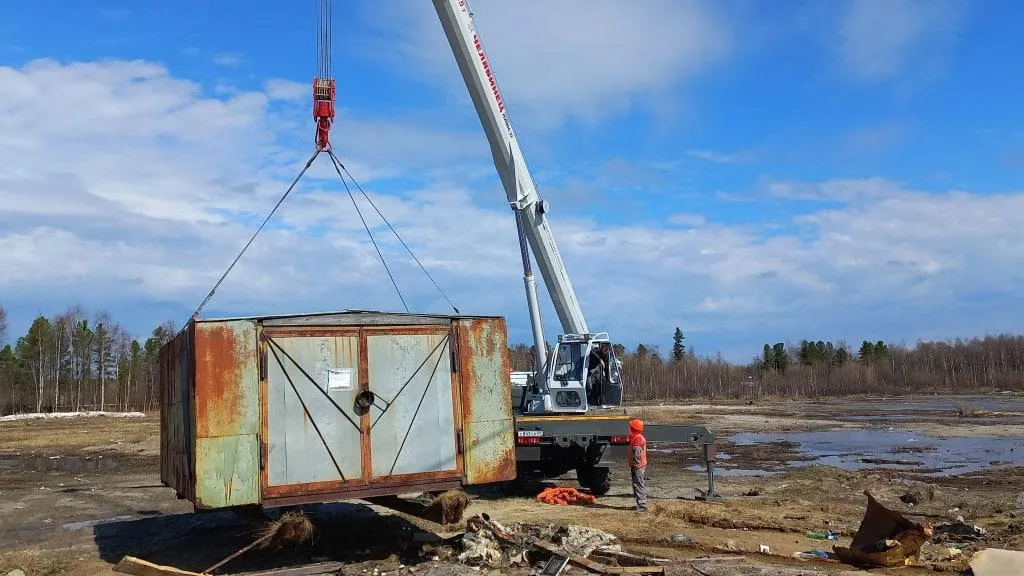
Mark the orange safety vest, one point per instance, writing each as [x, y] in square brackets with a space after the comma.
[638, 441]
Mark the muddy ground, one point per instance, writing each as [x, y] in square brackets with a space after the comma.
[77, 495]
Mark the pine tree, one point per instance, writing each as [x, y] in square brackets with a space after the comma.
[678, 350]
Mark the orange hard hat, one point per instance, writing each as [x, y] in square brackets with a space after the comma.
[636, 426]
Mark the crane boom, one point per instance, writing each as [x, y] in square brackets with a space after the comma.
[583, 370]
[458, 25]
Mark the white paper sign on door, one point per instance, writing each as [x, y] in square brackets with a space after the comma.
[339, 379]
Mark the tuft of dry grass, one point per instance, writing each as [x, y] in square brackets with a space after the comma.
[75, 434]
[729, 518]
[33, 564]
[966, 409]
[292, 528]
[447, 508]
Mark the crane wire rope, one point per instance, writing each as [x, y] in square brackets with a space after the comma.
[324, 62]
[392, 228]
[324, 43]
[334, 162]
[254, 234]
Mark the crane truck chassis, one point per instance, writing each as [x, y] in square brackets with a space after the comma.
[550, 446]
[564, 419]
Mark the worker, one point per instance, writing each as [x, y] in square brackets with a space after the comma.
[638, 462]
[596, 376]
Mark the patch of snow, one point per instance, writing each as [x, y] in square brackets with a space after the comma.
[55, 415]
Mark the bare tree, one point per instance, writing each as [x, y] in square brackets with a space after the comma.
[103, 342]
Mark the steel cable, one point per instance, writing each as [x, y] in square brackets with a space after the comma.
[256, 233]
[382, 217]
[334, 162]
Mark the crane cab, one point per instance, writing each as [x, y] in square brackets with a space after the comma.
[582, 373]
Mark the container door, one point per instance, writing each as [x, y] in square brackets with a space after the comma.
[313, 435]
[413, 425]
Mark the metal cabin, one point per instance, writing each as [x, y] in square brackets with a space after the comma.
[284, 410]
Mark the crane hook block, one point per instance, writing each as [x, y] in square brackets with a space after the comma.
[323, 110]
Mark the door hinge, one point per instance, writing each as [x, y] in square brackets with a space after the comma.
[263, 451]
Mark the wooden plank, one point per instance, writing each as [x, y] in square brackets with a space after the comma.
[628, 556]
[306, 570]
[596, 566]
[139, 567]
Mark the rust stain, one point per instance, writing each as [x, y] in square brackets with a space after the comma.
[365, 447]
[456, 388]
[486, 401]
[176, 437]
[264, 447]
[359, 491]
[218, 374]
[400, 481]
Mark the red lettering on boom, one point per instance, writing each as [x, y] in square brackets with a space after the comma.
[487, 70]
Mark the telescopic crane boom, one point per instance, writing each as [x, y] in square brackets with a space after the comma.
[567, 376]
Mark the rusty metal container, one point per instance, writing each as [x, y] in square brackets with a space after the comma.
[284, 410]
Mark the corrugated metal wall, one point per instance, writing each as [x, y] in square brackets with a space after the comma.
[176, 376]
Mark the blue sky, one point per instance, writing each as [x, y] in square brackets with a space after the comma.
[841, 170]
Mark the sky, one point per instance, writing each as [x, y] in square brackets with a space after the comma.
[749, 172]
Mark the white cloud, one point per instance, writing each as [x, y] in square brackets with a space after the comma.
[281, 89]
[881, 39]
[132, 212]
[228, 59]
[721, 158]
[874, 139]
[841, 190]
[573, 58]
[690, 220]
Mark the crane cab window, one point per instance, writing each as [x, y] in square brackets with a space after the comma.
[569, 362]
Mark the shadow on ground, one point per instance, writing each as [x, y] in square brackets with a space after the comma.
[345, 532]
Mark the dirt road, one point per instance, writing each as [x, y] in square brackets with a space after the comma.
[77, 495]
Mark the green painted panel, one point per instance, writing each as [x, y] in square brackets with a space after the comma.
[490, 452]
[227, 471]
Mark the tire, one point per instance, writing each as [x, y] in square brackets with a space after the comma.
[598, 480]
[515, 487]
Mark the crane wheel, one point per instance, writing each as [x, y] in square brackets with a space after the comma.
[596, 479]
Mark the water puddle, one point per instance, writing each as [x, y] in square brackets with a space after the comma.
[946, 405]
[721, 472]
[895, 450]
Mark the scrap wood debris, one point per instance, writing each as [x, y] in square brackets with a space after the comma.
[562, 495]
[489, 543]
[958, 531]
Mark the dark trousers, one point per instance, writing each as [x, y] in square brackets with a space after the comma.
[639, 489]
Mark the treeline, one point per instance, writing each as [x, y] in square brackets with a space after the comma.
[818, 369]
[79, 361]
[76, 361]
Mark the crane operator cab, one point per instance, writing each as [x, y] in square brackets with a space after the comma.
[582, 373]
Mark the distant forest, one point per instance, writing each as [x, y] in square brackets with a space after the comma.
[77, 360]
[814, 369]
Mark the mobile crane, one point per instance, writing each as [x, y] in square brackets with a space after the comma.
[569, 412]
